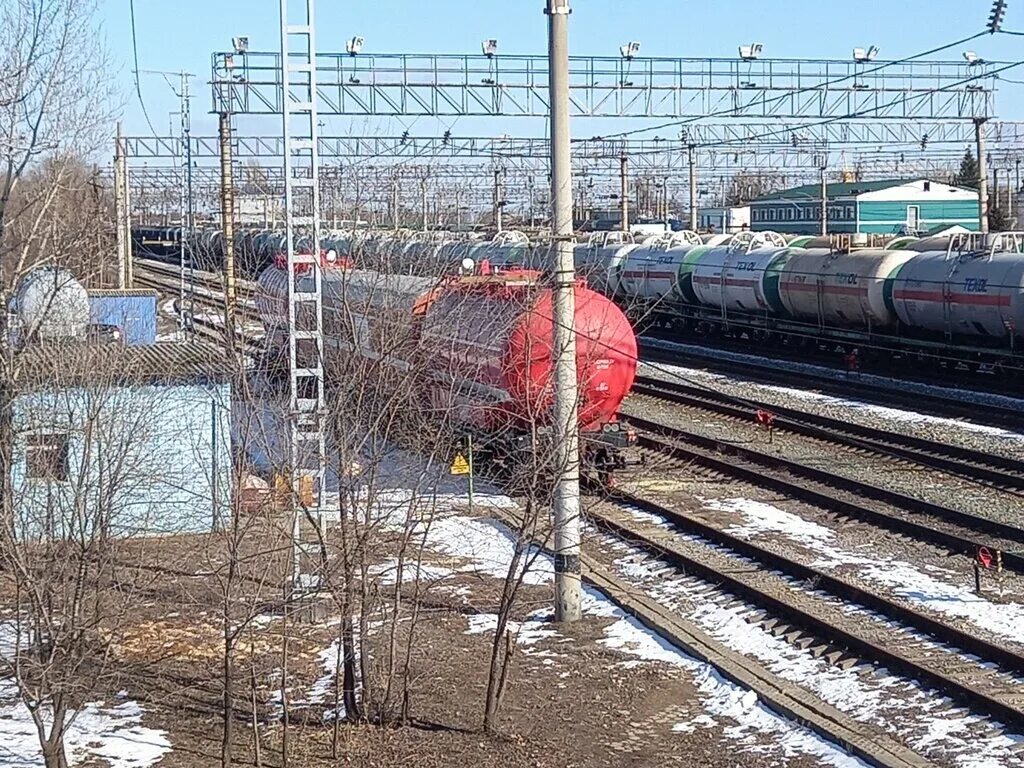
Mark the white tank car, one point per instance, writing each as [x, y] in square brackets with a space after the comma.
[839, 288]
[600, 259]
[964, 289]
[651, 272]
[742, 275]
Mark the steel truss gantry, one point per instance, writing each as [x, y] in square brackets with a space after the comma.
[506, 85]
[704, 135]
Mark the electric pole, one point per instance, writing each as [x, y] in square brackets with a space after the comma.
[227, 214]
[567, 467]
[624, 191]
[979, 136]
[122, 212]
[824, 200]
[691, 150]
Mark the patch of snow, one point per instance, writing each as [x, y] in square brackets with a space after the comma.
[880, 699]
[489, 546]
[97, 731]
[529, 632]
[429, 575]
[902, 578]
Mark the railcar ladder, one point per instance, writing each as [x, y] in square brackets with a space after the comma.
[305, 306]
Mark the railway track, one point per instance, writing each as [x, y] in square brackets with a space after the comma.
[819, 611]
[976, 466]
[778, 372]
[951, 529]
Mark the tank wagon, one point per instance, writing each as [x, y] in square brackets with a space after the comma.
[934, 300]
[481, 347]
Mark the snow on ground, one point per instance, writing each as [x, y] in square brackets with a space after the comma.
[905, 579]
[109, 732]
[880, 699]
[488, 547]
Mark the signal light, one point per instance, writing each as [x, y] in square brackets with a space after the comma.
[995, 21]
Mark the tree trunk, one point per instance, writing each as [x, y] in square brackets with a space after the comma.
[228, 704]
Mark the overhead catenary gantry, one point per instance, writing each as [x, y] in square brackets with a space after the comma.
[517, 85]
[704, 135]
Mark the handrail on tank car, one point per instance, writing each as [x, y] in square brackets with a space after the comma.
[604, 239]
[673, 240]
[510, 237]
[749, 241]
[975, 245]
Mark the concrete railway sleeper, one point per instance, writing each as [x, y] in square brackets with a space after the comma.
[931, 653]
[825, 490]
[780, 372]
[999, 471]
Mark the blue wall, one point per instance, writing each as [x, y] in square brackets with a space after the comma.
[143, 458]
[133, 312]
[886, 216]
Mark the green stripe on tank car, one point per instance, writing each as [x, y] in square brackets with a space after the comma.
[772, 276]
[888, 286]
[684, 282]
[800, 242]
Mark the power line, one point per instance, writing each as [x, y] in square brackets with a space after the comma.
[135, 57]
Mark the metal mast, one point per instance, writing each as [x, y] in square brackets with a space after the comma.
[302, 224]
[187, 206]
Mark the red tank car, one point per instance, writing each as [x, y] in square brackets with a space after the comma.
[484, 344]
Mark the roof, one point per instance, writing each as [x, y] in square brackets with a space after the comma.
[837, 189]
[74, 363]
[147, 292]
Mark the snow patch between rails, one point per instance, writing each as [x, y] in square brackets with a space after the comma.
[900, 577]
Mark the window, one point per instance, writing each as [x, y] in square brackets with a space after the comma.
[48, 457]
[774, 214]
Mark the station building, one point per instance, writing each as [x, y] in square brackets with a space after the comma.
[897, 206]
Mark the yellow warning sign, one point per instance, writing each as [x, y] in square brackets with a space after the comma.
[460, 466]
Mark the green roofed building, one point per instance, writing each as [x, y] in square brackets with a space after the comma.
[897, 206]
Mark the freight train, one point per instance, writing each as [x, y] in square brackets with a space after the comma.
[480, 350]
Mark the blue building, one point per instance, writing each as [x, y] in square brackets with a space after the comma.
[881, 207]
[129, 441]
[131, 311]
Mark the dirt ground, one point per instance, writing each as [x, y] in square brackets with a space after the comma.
[571, 700]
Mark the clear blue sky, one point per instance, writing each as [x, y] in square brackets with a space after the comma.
[181, 34]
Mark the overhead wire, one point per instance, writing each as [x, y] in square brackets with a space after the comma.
[135, 58]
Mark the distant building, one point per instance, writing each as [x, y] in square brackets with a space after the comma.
[881, 207]
[724, 220]
[127, 441]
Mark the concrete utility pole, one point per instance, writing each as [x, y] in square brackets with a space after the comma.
[122, 214]
[423, 204]
[824, 201]
[979, 137]
[691, 151]
[498, 202]
[624, 191]
[664, 200]
[227, 210]
[394, 205]
[1016, 188]
[567, 451]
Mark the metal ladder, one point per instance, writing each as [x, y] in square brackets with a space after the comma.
[305, 299]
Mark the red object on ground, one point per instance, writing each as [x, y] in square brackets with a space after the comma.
[765, 418]
[984, 557]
